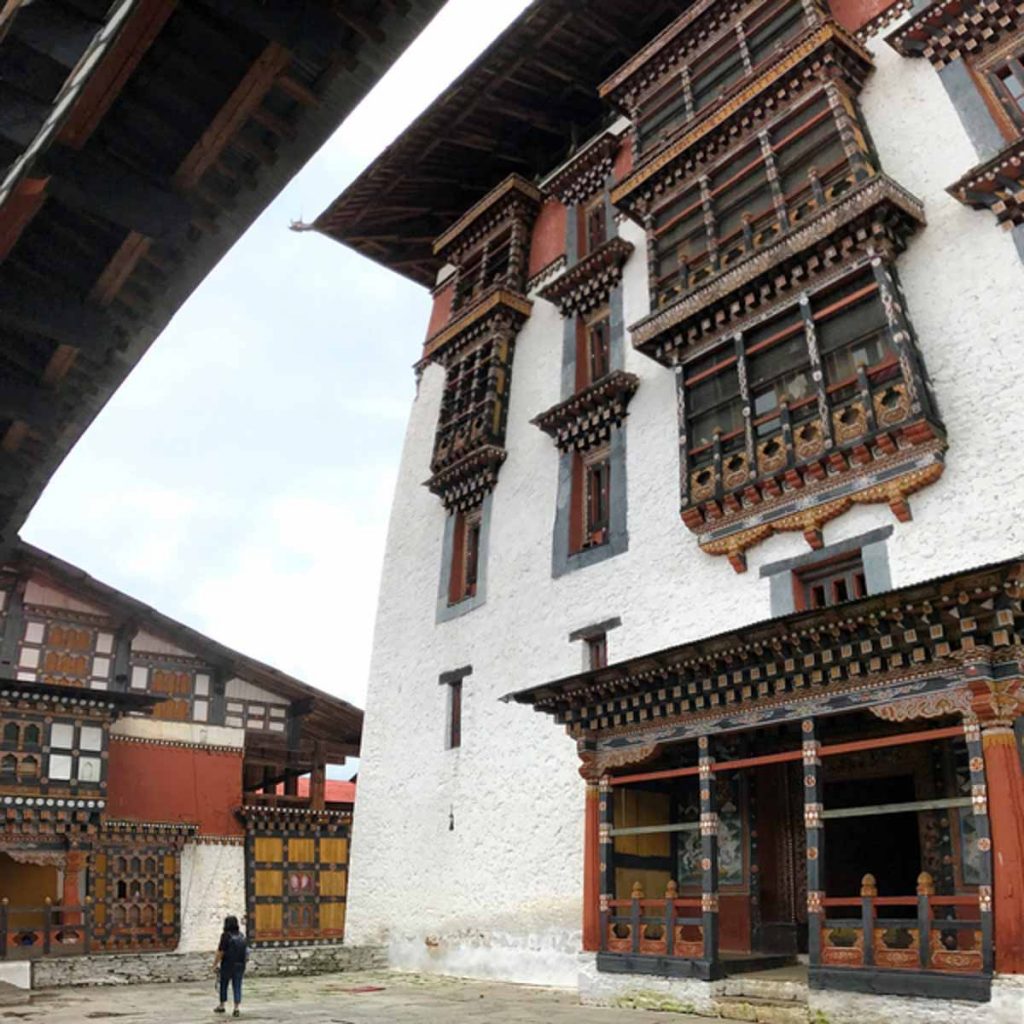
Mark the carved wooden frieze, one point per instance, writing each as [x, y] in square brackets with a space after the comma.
[996, 185]
[585, 420]
[587, 284]
[947, 30]
[586, 173]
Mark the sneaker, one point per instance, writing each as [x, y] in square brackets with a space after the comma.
[218, 1009]
[236, 1012]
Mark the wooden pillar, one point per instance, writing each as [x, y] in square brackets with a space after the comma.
[592, 868]
[815, 828]
[318, 778]
[997, 704]
[71, 894]
[606, 809]
[983, 836]
[708, 852]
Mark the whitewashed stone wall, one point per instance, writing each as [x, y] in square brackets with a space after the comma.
[212, 887]
[498, 895]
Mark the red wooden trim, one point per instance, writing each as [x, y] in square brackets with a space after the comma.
[775, 338]
[904, 739]
[711, 371]
[577, 504]
[120, 268]
[457, 579]
[592, 872]
[836, 307]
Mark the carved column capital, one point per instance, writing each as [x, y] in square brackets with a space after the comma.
[996, 703]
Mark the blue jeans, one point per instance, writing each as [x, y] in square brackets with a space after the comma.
[232, 973]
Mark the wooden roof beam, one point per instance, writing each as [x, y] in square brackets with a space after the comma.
[361, 25]
[247, 96]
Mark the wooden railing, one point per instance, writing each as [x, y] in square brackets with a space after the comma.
[654, 927]
[50, 930]
[939, 933]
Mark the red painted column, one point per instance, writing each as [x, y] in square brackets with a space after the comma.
[71, 896]
[997, 704]
[592, 870]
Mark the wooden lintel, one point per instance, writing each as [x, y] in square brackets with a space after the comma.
[232, 116]
[297, 91]
[17, 213]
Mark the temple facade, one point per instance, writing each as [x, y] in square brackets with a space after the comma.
[711, 463]
[153, 781]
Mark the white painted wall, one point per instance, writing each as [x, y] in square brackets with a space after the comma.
[212, 887]
[499, 896]
[191, 733]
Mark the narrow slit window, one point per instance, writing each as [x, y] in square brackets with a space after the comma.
[454, 739]
[593, 225]
[597, 651]
[598, 349]
[597, 480]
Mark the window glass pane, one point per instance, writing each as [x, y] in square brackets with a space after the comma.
[60, 767]
[772, 28]
[62, 736]
[90, 738]
[88, 769]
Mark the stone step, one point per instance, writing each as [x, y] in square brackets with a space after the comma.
[11, 995]
[781, 990]
[762, 1011]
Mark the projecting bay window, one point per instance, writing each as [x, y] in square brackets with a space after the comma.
[794, 168]
[465, 567]
[715, 68]
[486, 266]
[591, 500]
[825, 368]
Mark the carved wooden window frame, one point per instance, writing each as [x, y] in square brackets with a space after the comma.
[793, 185]
[592, 224]
[464, 577]
[675, 98]
[834, 581]
[591, 512]
[593, 347]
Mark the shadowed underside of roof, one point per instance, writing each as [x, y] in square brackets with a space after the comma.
[518, 109]
[138, 140]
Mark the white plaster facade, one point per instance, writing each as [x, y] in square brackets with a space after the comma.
[469, 861]
[212, 887]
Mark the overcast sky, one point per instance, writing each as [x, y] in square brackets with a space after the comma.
[241, 478]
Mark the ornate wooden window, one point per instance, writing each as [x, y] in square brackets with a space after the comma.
[75, 753]
[297, 883]
[591, 500]
[593, 348]
[174, 684]
[465, 567]
[65, 653]
[711, 60]
[800, 163]
[1007, 81]
[593, 225]
[255, 715]
[830, 583]
[136, 889]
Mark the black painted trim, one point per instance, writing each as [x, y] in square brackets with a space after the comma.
[619, 963]
[973, 988]
[456, 675]
[597, 629]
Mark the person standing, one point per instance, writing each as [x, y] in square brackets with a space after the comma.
[229, 964]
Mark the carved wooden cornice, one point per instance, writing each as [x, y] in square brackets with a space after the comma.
[875, 211]
[996, 185]
[588, 283]
[883, 19]
[585, 174]
[911, 642]
[293, 819]
[826, 51]
[464, 484]
[950, 29]
[494, 303]
[514, 197]
[585, 420]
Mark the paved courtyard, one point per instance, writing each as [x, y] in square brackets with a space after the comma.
[330, 999]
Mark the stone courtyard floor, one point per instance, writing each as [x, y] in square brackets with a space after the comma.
[328, 999]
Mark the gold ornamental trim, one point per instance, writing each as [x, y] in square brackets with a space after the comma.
[501, 297]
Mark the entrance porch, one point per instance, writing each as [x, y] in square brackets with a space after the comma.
[842, 785]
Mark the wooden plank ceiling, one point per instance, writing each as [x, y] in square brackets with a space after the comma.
[520, 107]
[138, 140]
